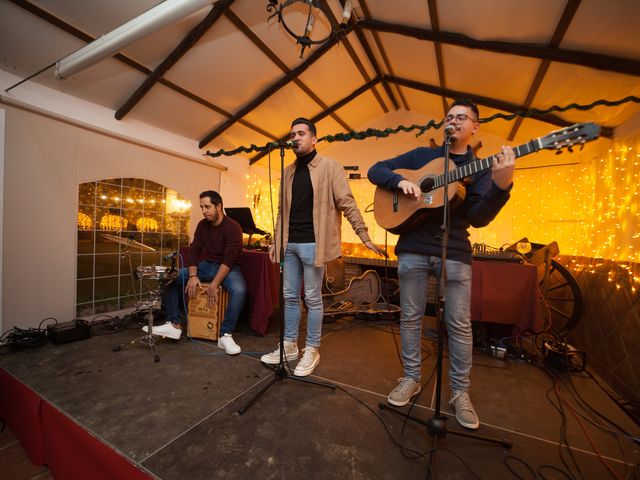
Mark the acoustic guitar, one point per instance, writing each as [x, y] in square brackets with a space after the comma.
[398, 213]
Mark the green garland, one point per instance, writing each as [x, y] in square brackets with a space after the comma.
[374, 132]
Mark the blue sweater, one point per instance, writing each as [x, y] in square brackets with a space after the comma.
[482, 203]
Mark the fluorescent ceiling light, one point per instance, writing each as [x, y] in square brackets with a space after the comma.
[150, 21]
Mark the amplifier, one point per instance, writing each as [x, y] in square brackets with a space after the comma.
[69, 331]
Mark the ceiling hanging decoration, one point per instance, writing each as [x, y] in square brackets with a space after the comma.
[316, 8]
[431, 124]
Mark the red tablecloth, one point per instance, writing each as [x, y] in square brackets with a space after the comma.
[506, 293]
[261, 277]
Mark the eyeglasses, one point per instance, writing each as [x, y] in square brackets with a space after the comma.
[459, 118]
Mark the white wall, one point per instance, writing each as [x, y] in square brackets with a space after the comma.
[45, 160]
[2, 130]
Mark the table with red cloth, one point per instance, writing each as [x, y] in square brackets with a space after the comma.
[501, 292]
[506, 293]
[261, 277]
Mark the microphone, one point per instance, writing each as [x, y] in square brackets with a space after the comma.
[449, 129]
[286, 144]
[169, 256]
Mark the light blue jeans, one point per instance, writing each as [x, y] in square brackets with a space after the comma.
[298, 265]
[233, 283]
[413, 273]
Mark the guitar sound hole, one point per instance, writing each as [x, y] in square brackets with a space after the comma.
[427, 185]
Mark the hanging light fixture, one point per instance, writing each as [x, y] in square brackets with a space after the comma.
[316, 7]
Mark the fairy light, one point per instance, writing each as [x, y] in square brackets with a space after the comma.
[113, 222]
[84, 221]
[590, 208]
[147, 224]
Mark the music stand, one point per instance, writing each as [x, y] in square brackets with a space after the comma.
[243, 216]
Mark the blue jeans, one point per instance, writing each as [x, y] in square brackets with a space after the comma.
[413, 273]
[233, 283]
[298, 265]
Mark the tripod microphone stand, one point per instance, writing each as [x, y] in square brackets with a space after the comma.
[280, 371]
[436, 425]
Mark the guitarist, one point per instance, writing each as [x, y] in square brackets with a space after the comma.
[419, 255]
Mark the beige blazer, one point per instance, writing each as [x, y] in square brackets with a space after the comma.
[331, 196]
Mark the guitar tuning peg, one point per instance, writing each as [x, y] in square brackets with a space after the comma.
[570, 148]
[558, 152]
[582, 146]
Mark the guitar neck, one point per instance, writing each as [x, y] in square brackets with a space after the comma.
[485, 163]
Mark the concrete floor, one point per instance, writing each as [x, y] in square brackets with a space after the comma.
[178, 419]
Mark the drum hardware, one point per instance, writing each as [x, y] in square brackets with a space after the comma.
[129, 244]
[155, 277]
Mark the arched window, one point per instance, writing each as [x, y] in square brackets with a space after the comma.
[132, 209]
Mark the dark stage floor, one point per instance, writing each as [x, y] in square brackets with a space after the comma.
[178, 419]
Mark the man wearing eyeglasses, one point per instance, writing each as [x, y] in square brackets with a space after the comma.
[419, 255]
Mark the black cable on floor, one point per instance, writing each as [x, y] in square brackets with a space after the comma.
[555, 469]
[507, 463]
[447, 450]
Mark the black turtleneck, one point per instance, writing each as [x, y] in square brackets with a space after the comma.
[301, 216]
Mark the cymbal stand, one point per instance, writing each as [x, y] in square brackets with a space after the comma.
[148, 339]
[127, 253]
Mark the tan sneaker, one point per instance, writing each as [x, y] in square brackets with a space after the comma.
[465, 413]
[290, 352]
[401, 395]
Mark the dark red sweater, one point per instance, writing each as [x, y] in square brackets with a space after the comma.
[221, 244]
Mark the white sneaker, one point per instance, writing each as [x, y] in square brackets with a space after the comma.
[227, 343]
[308, 362]
[290, 352]
[165, 330]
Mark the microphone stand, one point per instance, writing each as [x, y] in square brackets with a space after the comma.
[280, 371]
[437, 424]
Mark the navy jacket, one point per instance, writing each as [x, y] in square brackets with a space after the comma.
[482, 203]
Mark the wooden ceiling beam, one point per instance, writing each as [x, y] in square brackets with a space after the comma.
[336, 106]
[372, 60]
[71, 30]
[598, 61]
[296, 72]
[488, 102]
[181, 49]
[569, 12]
[240, 25]
[383, 53]
[435, 25]
[352, 53]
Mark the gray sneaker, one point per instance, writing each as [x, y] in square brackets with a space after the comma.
[465, 413]
[290, 352]
[401, 395]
